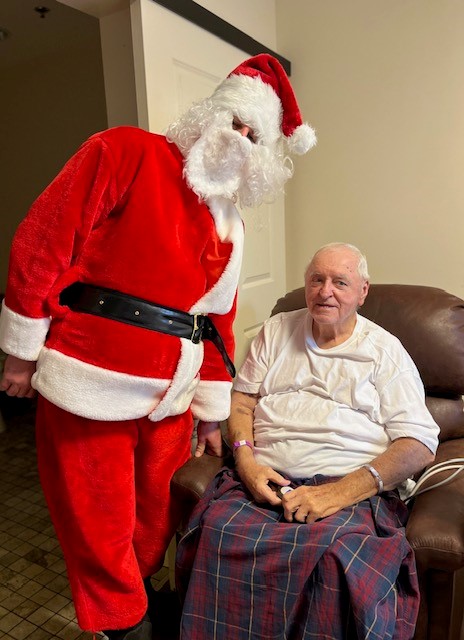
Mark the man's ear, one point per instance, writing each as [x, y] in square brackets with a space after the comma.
[364, 292]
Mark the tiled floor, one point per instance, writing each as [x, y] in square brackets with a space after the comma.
[35, 600]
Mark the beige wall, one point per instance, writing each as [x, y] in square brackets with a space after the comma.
[49, 105]
[382, 83]
[257, 18]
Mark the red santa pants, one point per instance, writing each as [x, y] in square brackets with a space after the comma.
[107, 489]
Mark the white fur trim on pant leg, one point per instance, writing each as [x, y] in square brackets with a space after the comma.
[212, 400]
[20, 335]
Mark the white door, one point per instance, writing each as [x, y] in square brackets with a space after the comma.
[178, 63]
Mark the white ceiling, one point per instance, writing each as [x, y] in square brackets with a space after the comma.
[97, 8]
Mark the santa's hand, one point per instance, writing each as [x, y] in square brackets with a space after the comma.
[16, 380]
[209, 439]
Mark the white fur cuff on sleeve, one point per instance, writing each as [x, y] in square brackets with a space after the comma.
[212, 400]
[21, 336]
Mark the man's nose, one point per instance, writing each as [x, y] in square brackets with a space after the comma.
[244, 130]
[326, 289]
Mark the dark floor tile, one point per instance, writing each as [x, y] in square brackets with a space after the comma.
[13, 602]
[56, 603]
[32, 570]
[40, 634]
[46, 577]
[40, 615]
[42, 596]
[68, 611]
[70, 632]
[9, 558]
[23, 630]
[58, 584]
[55, 624]
[9, 621]
[31, 588]
[26, 608]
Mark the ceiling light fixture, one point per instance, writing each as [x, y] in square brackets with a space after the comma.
[42, 11]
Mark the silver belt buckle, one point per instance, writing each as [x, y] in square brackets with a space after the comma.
[195, 328]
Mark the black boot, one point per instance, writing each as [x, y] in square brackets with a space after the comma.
[151, 596]
[164, 610]
[140, 631]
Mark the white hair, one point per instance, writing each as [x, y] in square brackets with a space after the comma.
[187, 129]
[362, 261]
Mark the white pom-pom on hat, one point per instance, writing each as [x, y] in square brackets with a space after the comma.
[272, 118]
[302, 139]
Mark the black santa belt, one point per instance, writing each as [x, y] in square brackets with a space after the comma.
[108, 303]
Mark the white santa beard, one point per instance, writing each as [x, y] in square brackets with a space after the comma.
[264, 176]
[214, 164]
[222, 162]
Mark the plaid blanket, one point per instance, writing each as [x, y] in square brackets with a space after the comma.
[247, 574]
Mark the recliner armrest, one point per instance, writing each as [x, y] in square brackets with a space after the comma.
[190, 482]
[435, 528]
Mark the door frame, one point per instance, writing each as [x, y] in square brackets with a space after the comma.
[221, 28]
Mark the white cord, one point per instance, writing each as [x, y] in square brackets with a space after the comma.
[440, 466]
[456, 464]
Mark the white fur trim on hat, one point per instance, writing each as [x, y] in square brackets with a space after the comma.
[254, 103]
[266, 69]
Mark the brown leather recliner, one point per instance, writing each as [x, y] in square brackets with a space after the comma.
[430, 324]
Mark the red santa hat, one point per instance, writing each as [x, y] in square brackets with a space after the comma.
[260, 94]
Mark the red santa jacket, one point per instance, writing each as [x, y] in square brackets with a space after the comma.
[120, 215]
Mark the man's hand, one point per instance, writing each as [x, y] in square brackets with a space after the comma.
[16, 380]
[209, 439]
[256, 477]
[308, 504]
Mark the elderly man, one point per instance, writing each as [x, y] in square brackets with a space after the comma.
[305, 539]
[119, 311]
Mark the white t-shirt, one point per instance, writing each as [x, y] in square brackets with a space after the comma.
[331, 410]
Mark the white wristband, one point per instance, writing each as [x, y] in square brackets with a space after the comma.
[376, 476]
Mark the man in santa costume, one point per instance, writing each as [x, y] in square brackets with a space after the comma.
[119, 310]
